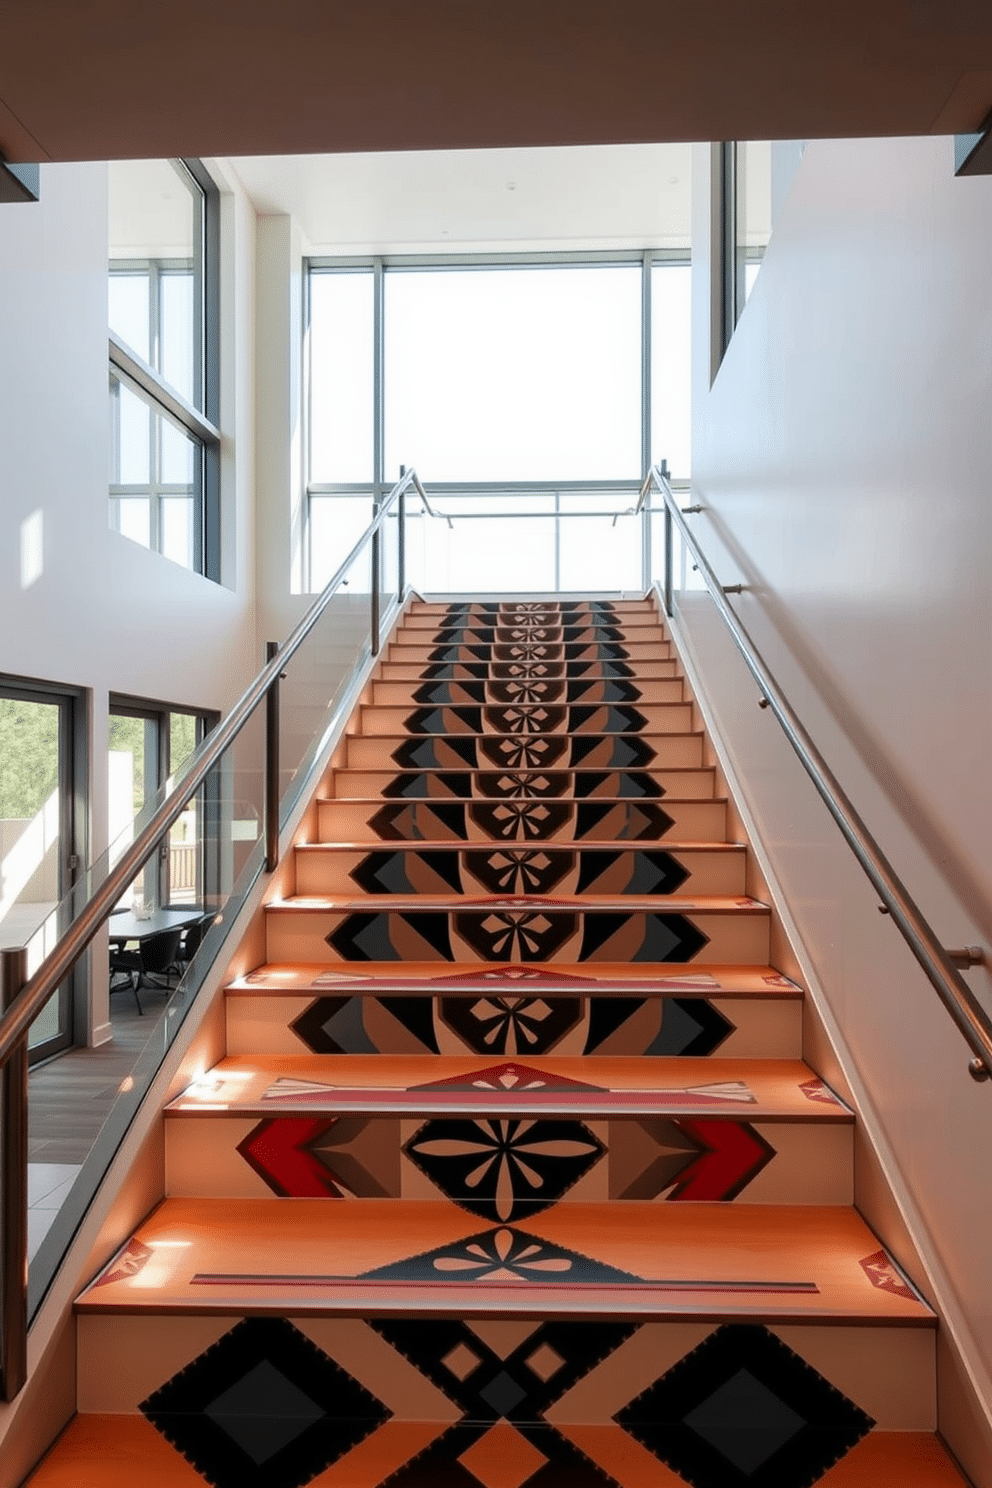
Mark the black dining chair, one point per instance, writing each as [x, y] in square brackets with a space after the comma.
[151, 965]
[192, 939]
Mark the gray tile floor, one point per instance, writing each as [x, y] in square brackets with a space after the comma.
[70, 1097]
[48, 1184]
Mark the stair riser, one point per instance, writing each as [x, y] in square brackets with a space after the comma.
[489, 785]
[487, 935]
[651, 752]
[887, 1372]
[761, 1162]
[556, 627]
[534, 607]
[481, 671]
[589, 872]
[734, 1027]
[417, 721]
[565, 821]
[508, 692]
[421, 652]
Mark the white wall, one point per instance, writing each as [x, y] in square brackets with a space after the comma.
[105, 614]
[844, 458]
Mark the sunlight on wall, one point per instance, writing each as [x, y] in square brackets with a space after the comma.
[32, 549]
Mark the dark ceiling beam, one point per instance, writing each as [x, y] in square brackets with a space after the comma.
[112, 79]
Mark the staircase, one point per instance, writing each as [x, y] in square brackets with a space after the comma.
[513, 1176]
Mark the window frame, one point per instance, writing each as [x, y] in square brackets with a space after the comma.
[145, 380]
[380, 266]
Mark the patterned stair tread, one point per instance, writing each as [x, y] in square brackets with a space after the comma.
[679, 785]
[120, 1451]
[433, 624]
[412, 645]
[766, 1090]
[536, 604]
[710, 904]
[484, 845]
[367, 1257]
[592, 872]
[490, 720]
[415, 672]
[602, 979]
[651, 752]
[522, 821]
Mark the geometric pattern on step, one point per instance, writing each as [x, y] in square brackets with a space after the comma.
[528, 719]
[306, 1157]
[498, 933]
[521, 820]
[263, 1407]
[505, 1169]
[513, 1026]
[503, 1255]
[525, 752]
[517, 871]
[503, 1439]
[527, 784]
[510, 691]
[744, 1411]
[525, 651]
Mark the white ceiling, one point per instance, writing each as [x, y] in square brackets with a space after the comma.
[583, 197]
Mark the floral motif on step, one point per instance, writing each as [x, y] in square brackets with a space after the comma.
[503, 1256]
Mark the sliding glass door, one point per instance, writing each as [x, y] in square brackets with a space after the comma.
[37, 847]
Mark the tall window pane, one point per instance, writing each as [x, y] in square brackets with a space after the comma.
[156, 265]
[341, 372]
[513, 374]
[754, 212]
[671, 366]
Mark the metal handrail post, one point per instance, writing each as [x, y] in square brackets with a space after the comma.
[375, 594]
[401, 542]
[14, 1191]
[272, 767]
[669, 563]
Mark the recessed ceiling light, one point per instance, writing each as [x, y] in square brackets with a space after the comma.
[674, 180]
[511, 185]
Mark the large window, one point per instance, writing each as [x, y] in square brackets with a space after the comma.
[561, 380]
[164, 445]
[42, 829]
[148, 744]
[747, 222]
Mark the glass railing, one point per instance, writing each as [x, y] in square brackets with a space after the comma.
[246, 778]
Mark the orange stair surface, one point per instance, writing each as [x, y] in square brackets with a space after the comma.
[514, 1175]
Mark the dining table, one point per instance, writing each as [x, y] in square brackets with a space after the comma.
[124, 925]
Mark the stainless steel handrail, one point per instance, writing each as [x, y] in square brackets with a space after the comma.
[953, 991]
[18, 1017]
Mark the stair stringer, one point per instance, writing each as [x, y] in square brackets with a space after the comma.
[882, 1195]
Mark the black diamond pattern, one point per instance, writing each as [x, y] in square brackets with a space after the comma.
[263, 1408]
[744, 1411]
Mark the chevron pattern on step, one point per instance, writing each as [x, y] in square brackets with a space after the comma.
[513, 1175]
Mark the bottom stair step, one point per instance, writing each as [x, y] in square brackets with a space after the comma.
[112, 1451]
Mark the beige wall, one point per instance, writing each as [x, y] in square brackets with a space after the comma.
[844, 458]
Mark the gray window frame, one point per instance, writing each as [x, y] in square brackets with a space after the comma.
[200, 423]
[381, 265]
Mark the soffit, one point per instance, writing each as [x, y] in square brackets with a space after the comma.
[115, 79]
[599, 197]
